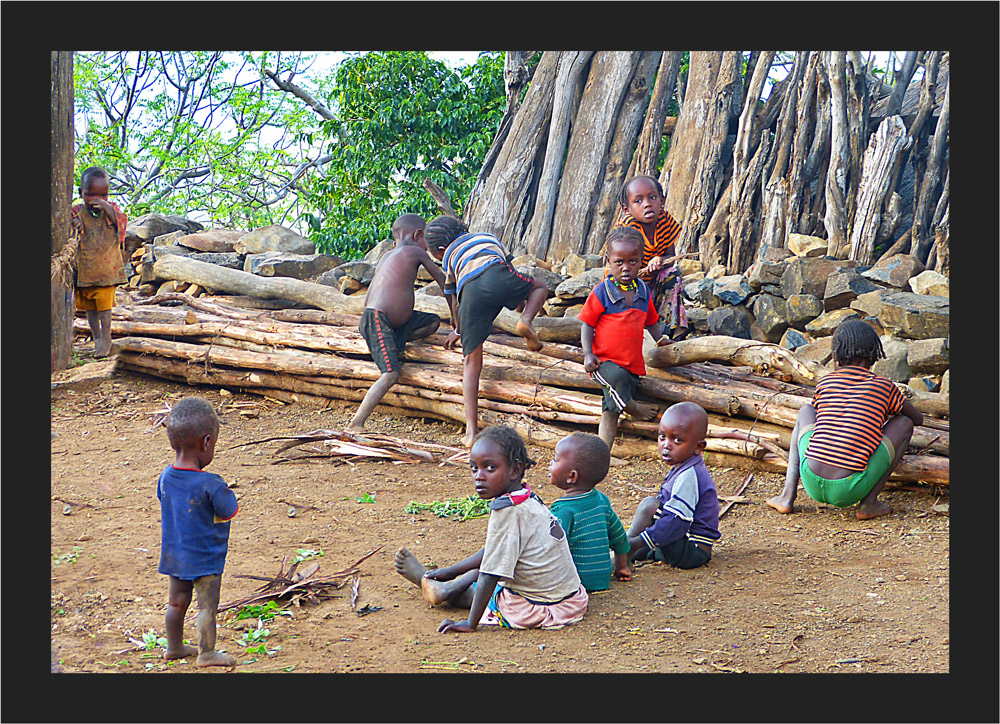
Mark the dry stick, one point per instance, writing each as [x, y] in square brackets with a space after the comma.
[727, 506]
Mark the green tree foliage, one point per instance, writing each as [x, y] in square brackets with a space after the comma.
[401, 117]
[192, 133]
[211, 136]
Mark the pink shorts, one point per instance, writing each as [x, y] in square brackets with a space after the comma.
[512, 610]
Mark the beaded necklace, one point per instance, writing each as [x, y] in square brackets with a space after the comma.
[625, 287]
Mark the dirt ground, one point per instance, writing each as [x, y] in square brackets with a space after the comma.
[818, 592]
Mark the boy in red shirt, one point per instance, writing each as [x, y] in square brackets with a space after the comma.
[848, 441]
[614, 318]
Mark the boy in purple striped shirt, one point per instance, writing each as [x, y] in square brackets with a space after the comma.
[680, 524]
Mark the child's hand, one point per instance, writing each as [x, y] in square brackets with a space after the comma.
[102, 205]
[590, 363]
[624, 573]
[654, 264]
[449, 342]
[458, 626]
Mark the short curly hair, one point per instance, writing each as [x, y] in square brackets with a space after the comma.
[510, 442]
[591, 457]
[623, 194]
[190, 420]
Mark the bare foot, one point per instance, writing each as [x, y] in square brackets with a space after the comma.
[183, 653]
[872, 510]
[409, 567]
[781, 505]
[435, 592]
[215, 658]
[528, 332]
[618, 462]
[355, 428]
[468, 440]
[641, 410]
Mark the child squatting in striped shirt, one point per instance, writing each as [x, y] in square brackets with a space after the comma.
[848, 441]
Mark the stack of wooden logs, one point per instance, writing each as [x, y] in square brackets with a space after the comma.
[300, 354]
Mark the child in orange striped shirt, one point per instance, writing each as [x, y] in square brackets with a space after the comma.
[641, 201]
[848, 441]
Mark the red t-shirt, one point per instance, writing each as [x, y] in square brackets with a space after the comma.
[618, 327]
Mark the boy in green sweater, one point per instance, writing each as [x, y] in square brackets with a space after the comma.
[581, 461]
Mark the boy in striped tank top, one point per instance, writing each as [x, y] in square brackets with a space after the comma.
[479, 283]
[848, 441]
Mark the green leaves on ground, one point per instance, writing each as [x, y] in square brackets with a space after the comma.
[462, 509]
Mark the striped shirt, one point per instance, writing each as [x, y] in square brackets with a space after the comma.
[852, 405]
[592, 527]
[467, 257]
[664, 236]
[688, 507]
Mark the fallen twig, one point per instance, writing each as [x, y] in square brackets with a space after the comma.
[728, 505]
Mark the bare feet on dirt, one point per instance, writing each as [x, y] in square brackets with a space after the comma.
[436, 592]
[780, 504]
[182, 654]
[872, 510]
[215, 658]
[409, 567]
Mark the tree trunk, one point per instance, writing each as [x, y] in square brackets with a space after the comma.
[679, 167]
[901, 82]
[774, 199]
[703, 192]
[835, 218]
[60, 198]
[742, 244]
[587, 154]
[571, 66]
[798, 184]
[931, 180]
[885, 147]
[234, 281]
[504, 196]
[647, 153]
[633, 108]
[943, 262]
[765, 359]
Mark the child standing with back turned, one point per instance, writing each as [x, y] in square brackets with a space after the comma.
[195, 509]
[848, 441]
[100, 227]
[592, 527]
[613, 320]
[680, 524]
[524, 576]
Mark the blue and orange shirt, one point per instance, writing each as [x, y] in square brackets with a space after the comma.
[852, 405]
[195, 510]
[618, 326]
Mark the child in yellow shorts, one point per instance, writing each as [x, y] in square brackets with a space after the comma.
[99, 226]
